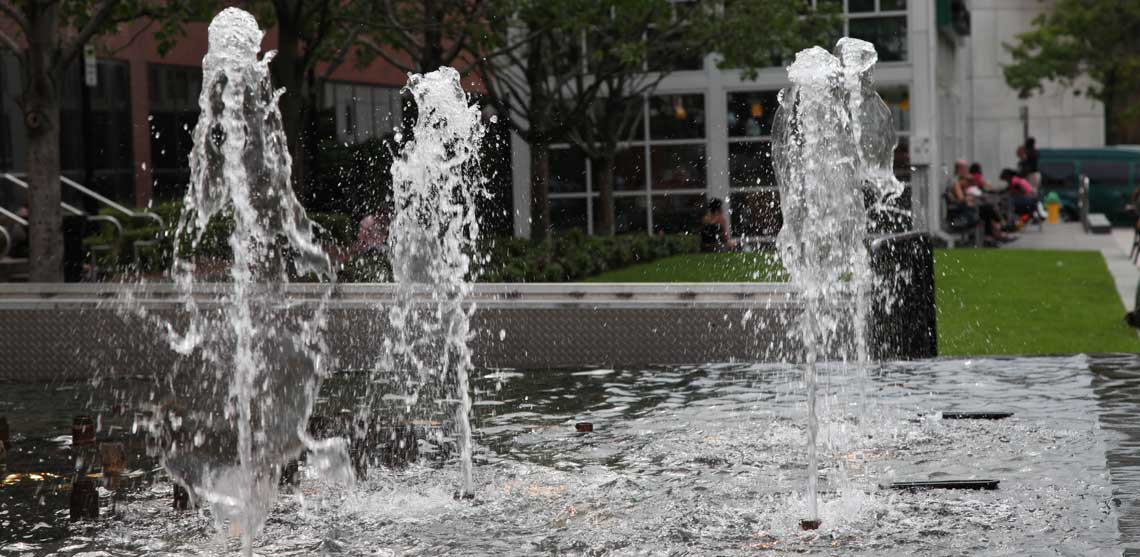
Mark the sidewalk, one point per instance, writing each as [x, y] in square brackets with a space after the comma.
[1071, 236]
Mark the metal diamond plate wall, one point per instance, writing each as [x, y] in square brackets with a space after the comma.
[78, 331]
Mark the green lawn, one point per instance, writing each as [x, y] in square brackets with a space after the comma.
[1028, 302]
[989, 301]
[700, 267]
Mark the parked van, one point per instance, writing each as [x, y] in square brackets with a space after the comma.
[1114, 172]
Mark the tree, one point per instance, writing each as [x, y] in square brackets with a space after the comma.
[309, 32]
[746, 35]
[431, 33]
[533, 59]
[46, 36]
[1093, 38]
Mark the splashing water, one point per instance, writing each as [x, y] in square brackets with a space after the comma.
[254, 364]
[436, 181]
[833, 136]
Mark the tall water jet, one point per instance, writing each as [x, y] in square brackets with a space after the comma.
[831, 137]
[435, 182]
[253, 364]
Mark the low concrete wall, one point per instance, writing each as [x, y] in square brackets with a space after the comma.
[77, 331]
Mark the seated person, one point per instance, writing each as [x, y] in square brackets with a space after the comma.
[978, 180]
[960, 215]
[1023, 196]
[988, 214]
[714, 229]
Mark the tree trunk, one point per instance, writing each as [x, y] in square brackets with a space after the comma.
[40, 103]
[288, 73]
[432, 56]
[605, 185]
[539, 192]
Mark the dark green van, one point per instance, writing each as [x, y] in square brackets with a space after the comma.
[1113, 173]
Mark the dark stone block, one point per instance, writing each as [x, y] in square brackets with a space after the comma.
[903, 318]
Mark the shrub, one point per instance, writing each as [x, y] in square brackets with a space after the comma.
[575, 255]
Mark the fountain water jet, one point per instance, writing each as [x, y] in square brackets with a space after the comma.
[832, 137]
[255, 364]
[435, 183]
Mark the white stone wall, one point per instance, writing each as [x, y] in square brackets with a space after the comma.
[1057, 117]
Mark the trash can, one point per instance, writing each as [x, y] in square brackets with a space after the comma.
[1052, 208]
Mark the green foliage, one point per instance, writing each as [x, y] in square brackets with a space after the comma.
[574, 256]
[702, 267]
[155, 254]
[1076, 38]
[354, 179]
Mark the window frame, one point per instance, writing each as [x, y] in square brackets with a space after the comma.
[646, 144]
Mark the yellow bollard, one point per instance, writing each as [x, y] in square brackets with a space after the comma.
[1052, 213]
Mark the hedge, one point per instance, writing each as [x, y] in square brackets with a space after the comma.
[569, 257]
[575, 256]
[330, 229]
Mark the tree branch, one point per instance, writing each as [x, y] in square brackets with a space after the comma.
[371, 45]
[96, 25]
[134, 37]
[11, 11]
[8, 43]
[341, 53]
[410, 44]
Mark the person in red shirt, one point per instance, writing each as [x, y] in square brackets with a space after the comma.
[1023, 196]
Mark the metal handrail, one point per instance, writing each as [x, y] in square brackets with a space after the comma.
[104, 200]
[7, 242]
[7, 235]
[73, 210]
[66, 206]
[108, 218]
[878, 242]
[15, 178]
[13, 216]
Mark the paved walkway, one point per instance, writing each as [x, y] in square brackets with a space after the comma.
[1071, 236]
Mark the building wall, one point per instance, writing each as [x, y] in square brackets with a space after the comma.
[727, 150]
[135, 46]
[1057, 117]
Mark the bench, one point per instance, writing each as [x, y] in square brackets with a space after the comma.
[1097, 223]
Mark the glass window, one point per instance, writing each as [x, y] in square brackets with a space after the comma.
[567, 214]
[633, 110]
[1057, 175]
[888, 34]
[388, 111]
[677, 116]
[567, 170]
[756, 213]
[898, 100]
[886, 5]
[365, 126]
[361, 112]
[860, 5]
[629, 213]
[750, 114]
[1109, 173]
[101, 144]
[677, 167]
[629, 169]
[677, 213]
[750, 164]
